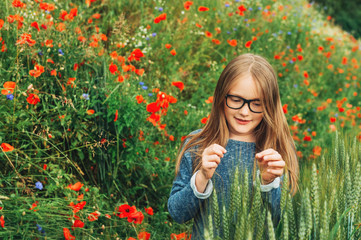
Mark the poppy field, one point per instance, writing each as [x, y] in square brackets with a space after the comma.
[97, 95]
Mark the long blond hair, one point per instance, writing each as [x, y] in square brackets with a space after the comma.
[272, 132]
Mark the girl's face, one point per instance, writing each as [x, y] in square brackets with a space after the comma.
[242, 122]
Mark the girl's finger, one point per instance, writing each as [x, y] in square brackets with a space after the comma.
[272, 157]
[275, 164]
[212, 158]
[210, 165]
[266, 152]
[277, 172]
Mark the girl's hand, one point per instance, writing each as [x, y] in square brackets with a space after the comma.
[271, 165]
[211, 157]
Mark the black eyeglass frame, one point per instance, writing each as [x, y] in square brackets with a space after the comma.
[244, 102]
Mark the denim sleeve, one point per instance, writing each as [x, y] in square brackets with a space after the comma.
[183, 205]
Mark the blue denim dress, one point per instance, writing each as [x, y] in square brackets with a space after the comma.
[184, 205]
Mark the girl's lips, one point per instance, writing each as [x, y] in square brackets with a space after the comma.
[242, 122]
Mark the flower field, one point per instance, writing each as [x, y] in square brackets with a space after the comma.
[97, 95]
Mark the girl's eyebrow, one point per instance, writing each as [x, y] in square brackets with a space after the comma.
[253, 99]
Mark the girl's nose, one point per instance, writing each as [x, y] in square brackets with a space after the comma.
[245, 109]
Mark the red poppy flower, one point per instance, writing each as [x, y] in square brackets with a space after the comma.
[344, 60]
[76, 187]
[90, 112]
[125, 210]
[113, 68]
[136, 217]
[179, 85]
[93, 216]
[153, 107]
[18, 3]
[35, 25]
[116, 115]
[77, 207]
[143, 236]
[187, 5]
[232, 42]
[248, 44]
[285, 108]
[136, 55]
[168, 46]
[67, 234]
[203, 9]
[173, 52]
[332, 119]
[149, 210]
[209, 100]
[216, 41]
[7, 147]
[160, 18]
[307, 138]
[8, 88]
[208, 34]
[33, 99]
[77, 224]
[242, 9]
[139, 99]
[2, 221]
[34, 205]
[1, 23]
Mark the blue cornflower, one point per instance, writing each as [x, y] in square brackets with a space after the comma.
[336, 114]
[280, 32]
[228, 32]
[289, 33]
[39, 185]
[147, 38]
[291, 62]
[40, 229]
[40, 53]
[154, 34]
[259, 8]
[234, 29]
[246, 20]
[145, 87]
[141, 83]
[10, 97]
[238, 0]
[85, 96]
[60, 52]
[150, 94]
[308, 130]
[250, 9]
[295, 86]
[226, 5]
[160, 9]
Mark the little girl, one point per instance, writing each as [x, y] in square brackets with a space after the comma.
[246, 117]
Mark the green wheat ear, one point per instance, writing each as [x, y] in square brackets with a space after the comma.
[225, 224]
[315, 198]
[291, 217]
[271, 232]
[261, 224]
[256, 205]
[324, 228]
[215, 212]
[245, 199]
[285, 225]
[284, 193]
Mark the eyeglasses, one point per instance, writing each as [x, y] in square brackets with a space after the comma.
[236, 102]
